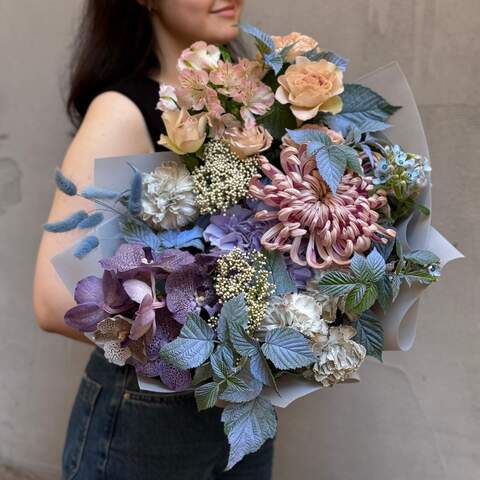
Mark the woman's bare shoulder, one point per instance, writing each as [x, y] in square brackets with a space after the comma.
[113, 125]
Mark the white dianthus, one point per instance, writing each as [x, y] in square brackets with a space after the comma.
[298, 311]
[168, 201]
[338, 356]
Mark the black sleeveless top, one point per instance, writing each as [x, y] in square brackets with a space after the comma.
[143, 91]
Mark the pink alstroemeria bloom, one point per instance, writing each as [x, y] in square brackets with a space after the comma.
[256, 99]
[143, 294]
[192, 92]
[227, 76]
[199, 56]
[334, 225]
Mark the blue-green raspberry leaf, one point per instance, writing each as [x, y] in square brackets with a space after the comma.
[287, 348]
[370, 334]
[248, 426]
[192, 347]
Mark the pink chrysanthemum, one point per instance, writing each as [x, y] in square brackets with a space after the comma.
[333, 226]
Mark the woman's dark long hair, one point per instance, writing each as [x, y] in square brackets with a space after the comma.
[115, 40]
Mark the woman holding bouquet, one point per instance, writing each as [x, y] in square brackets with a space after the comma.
[124, 49]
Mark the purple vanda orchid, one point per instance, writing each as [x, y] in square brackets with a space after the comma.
[96, 300]
[145, 296]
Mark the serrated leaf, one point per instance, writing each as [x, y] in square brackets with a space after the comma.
[422, 209]
[241, 388]
[331, 163]
[248, 426]
[370, 334]
[278, 273]
[307, 135]
[361, 298]
[202, 373]
[182, 239]
[207, 395]
[222, 363]
[376, 265]
[192, 347]
[137, 233]
[395, 282]
[385, 250]
[316, 55]
[274, 61]
[419, 276]
[264, 40]
[261, 370]
[363, 108]
[242, 342]
[336, 284]
[234, 311]
[385, 292]
[359, 267]
[422, 257]
[287, 348]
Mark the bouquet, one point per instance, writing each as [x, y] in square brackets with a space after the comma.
[267, 255]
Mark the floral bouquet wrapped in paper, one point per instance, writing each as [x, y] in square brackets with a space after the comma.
[284, 239]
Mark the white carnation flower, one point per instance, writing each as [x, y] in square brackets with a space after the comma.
[167, 98]
[298, 311]
[338, 356]
[168, 201]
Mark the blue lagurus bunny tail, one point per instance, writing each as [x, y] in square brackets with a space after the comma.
[65, 184]
[135, 200]
[85, 246]
[92, 220]
[67, 224]
[96, 193]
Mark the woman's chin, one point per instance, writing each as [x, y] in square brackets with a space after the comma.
[222, 32]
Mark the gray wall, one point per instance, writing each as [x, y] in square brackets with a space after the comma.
[417, 416]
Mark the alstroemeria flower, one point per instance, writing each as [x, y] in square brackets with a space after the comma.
[193, 88]
[199, 56]
[256, 99]
[227, 76]
[97, 299]
[167, 98]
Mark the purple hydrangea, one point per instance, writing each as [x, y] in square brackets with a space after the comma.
[237, 227]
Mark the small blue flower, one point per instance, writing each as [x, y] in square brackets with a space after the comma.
[434, 270]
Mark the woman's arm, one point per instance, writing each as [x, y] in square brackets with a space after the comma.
[113, 126]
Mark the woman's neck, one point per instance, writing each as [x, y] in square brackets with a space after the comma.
[168, 48]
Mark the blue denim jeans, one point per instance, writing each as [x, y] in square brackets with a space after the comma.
[117, 432]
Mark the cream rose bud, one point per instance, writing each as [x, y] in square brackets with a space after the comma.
[185, 133]
[248, 141]
[311, 87]
[300, 44]
[199, 56]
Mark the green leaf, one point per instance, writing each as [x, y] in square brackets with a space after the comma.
[331, 163]
[278, 273]
[370, 334]
[233, 311]
[278, 119]
[241, 388]
[316, 55]
[385, 292]
[361, 298]
[395, 281]
[222, 363]
[419, 276]
[192, 347]
[202, 373]
[359, 267]
[248, 426]
[207, 395]
[422, 209]
[264, 41]
[362, 108]
[287, 348]
[336, 283]
[135, 232]
[242, 342]
[422, 257]
[376, 265]
[261, 370]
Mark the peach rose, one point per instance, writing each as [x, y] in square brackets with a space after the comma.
[301, 44]
[185, 133]
[311, 87]
[248, 141]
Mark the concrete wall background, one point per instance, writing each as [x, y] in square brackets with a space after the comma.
[418, 415]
